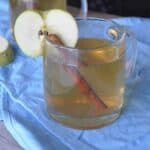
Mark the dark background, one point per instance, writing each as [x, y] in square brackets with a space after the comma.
[119, 7]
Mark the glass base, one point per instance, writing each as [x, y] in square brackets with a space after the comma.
[86, 123]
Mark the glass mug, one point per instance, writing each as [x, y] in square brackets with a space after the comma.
[18, 6]
[84, 86]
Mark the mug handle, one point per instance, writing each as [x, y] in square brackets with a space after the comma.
[84, 9]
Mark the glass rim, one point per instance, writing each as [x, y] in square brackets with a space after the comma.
[99, 48]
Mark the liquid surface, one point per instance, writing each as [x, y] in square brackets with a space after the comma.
[90, 89]
[92, 43]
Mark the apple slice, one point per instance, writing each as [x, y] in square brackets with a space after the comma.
[6, 53]
[63, 25]
[26, 30]
[30, 23]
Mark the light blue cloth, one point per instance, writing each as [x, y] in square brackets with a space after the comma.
[23, 109]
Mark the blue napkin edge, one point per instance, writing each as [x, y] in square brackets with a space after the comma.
[8, 117]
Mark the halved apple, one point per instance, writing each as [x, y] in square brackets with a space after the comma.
[6, 53]
[30, 23]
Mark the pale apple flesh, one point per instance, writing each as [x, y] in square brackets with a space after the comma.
[31, 28]
[63, 25]
[26, 29]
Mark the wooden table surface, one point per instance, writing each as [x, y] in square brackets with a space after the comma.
[7, 142]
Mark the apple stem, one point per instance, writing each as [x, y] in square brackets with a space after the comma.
[45, 33]
[40, 33]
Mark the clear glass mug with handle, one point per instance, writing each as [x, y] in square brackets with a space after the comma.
[85, 86]
[18, 6]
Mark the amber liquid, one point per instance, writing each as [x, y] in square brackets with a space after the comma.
[18, 6]
[102, 69]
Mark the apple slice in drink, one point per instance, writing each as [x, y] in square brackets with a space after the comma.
[6, 53]
[63, 25]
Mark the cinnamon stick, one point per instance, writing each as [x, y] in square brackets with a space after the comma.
[84, 86]
[78, 78]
